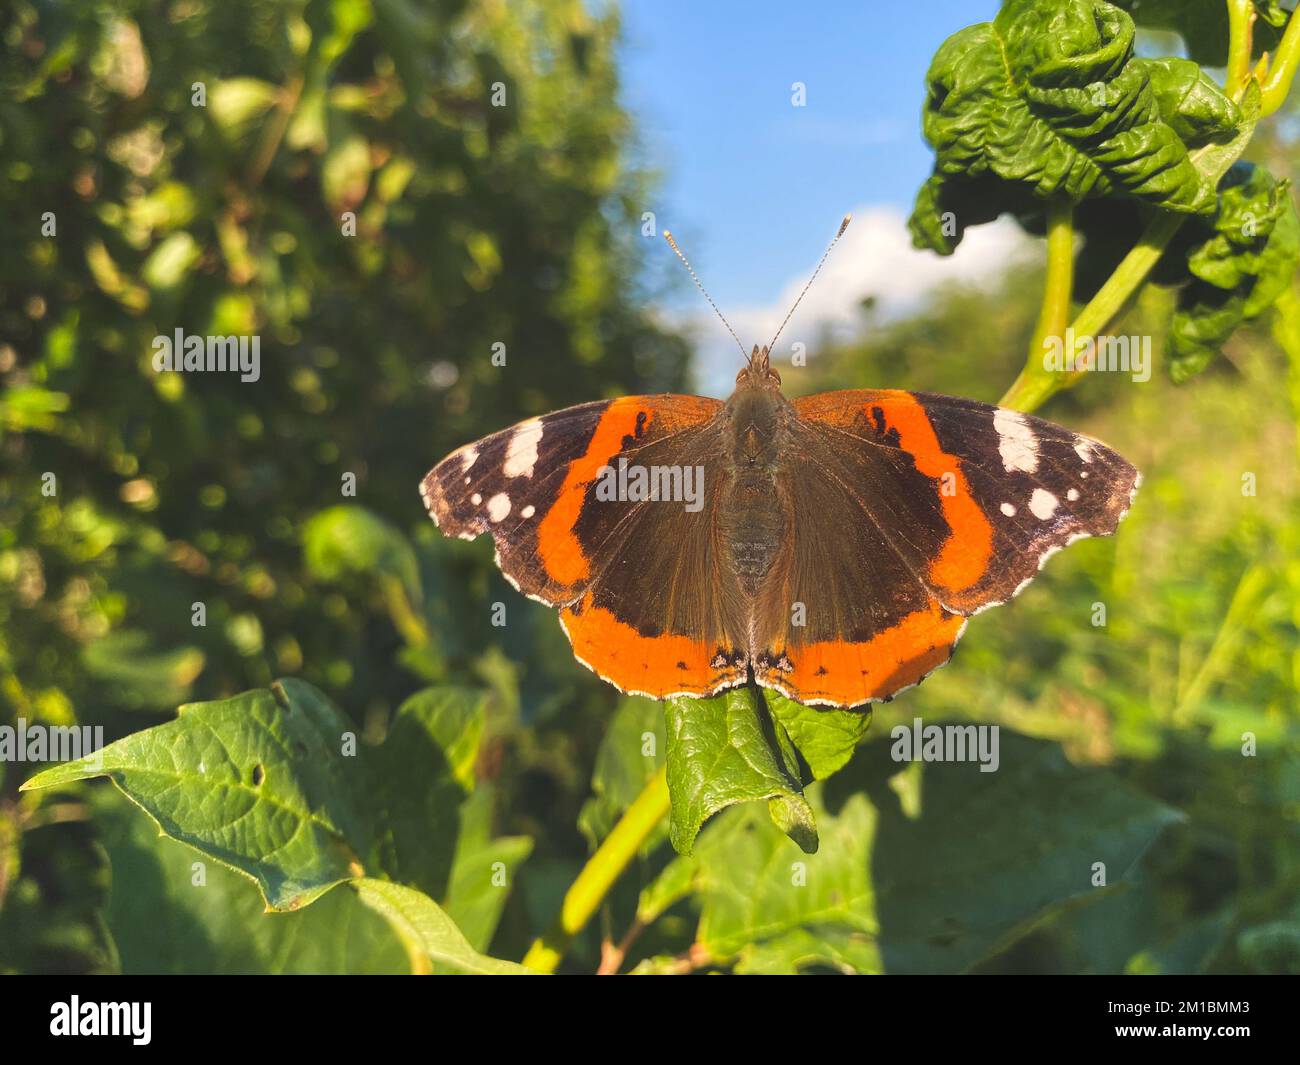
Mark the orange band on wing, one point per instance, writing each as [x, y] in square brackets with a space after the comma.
[964, 558]
[846, 674]
[557, 546]
[965, 555]
[649, 665]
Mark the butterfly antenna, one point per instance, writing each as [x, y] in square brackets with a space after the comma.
[834, 240]
[686, 262]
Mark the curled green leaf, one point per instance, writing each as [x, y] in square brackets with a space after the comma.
[1240, 265]
[1049, 100]
[1203, 25]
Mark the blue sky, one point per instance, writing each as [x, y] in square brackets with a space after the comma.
[754, 187]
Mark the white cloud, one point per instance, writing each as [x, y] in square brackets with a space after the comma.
[874, 258]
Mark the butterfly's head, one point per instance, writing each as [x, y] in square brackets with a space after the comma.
[758, 372]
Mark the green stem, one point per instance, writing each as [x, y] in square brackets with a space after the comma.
[1055, 315]
[1109, 301]
[1252, 590]
[412, 627]
[1286, 331]
[1281, 72]
[273, 133]
[1129, 276]
[1035, 379]
[603, 868]
[1241, 33]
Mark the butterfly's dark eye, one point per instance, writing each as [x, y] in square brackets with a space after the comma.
[774, 376]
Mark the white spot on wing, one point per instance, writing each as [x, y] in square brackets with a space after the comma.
[1017, 443]
[528, 511]
[476, 499]
[1072, 495]
[1083, 448]
[498, 506]
[521, 451]
[1009, 510]
[469, 455]
[1042, 504]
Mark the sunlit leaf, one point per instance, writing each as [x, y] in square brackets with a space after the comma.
[727, 750]
[257, 781]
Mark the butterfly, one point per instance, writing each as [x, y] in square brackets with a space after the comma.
[829, 547]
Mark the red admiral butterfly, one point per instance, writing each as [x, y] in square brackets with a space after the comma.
[833, 552]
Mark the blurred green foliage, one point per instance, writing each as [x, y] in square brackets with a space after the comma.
[487, 751]
[199, 161]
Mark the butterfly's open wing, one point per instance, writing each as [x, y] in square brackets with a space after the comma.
[644, 603]
[921, 509]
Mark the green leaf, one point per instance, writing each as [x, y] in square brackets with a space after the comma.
[1050, 100]
[237, 103]
[824, 736]
[945, 209]
[988, 855]
[1241, 265]
[753, 886]
[422, 774]
[630, 754]
[428, 928]
[727, 750]
[170, 263]
[938, 886]
[130, 671]
[1203, 25]
[1191, 101]
[348, 541]
[816, 947]
[483, 870]
[674, 883]
[257, 781]
[167, 916]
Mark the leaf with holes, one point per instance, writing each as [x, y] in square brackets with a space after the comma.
[257, 781]
[170, 913]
